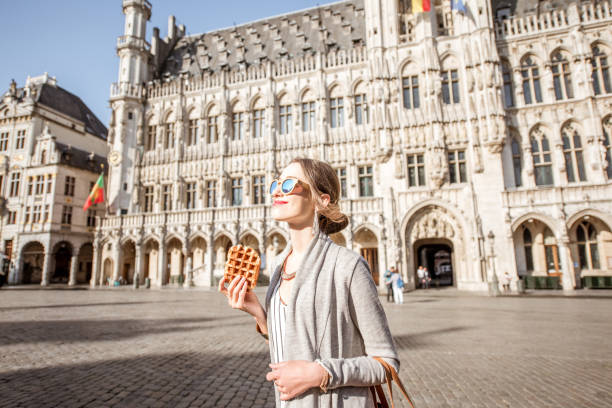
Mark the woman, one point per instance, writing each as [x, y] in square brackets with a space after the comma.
[322, 312]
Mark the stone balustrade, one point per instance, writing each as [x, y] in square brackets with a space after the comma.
[547, 196]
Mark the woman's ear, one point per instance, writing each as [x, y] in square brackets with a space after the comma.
[325, 199]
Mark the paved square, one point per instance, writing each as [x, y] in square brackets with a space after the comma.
[183, 348]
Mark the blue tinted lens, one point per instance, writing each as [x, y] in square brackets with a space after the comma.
[288, 185]
[273, 186]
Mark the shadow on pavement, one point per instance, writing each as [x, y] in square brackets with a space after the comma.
[13, 308]
[423, 339]
[71, 331]
[190, 379]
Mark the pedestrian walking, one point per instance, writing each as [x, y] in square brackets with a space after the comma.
[421, 276]
[426, 278]
[506, 280]
[388, 284]
[322, 314]
[398, 286]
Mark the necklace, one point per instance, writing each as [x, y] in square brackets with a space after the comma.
[287, 276]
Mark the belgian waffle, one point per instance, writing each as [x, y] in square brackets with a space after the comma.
[242, 261]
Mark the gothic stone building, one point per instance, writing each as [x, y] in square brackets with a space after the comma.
[474, 143]
[52, 148]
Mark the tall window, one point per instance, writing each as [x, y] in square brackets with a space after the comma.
[601, 72]
[212, 130]
[27, 214]
[4, 136]
[12, 217]
[236, 191]
[450, 86]
[410, 92]
[572, 151]
[167, 197]
[69, 186]
[361, 109]
[284, 115]
[15, 180]
[336, 108]
[36, 214]
[91, 218]
[192, 137]
[531, 81]
[30, 185]
[1, 184]
[528, 245]
[20, 140]
[608, 145]
[40, 184]
[50, 184]
[169, 133]
[67, 215]
[47, 214]
[588, 253]
[259, 189]
[238, 126]
[457, 166]
[191, 195]
[308, 116]
[542, 162]
[259, 123]
[516, 163]
[508, 87]
[341, 172]
[148, 198]
[562, 77]
[151, 139]
[416, 170]
[211, 192]
[366, 185]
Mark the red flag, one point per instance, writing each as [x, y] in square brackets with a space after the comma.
[97, 193]
[419, 6]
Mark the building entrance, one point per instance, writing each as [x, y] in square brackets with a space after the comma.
[437, 258]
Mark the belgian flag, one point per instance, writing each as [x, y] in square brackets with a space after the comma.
[97, 193]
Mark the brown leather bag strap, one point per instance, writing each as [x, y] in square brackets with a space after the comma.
[391, 374]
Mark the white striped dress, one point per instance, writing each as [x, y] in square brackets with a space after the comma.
[277, 315]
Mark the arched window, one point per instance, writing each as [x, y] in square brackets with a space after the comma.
[508, 87]
[572, 151]
[151, 137]
[562, 77]
[607, 142]
[336, 108]
[259, 119]
[43, 157]
[212, 119]
[528, 245]
[361, 105]
[284, 116]
[588, 253]
[238, 118]
[530, 72]
[450, 81]
[516, 162]
[601, 71]
[551, 252]
[169, 141]
[193, 129]
[308, 112]
[542, 161]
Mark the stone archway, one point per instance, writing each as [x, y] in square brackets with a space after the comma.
[175, 260]
[107, 272]
[33, 258]
[128, 262]
[434, 236]
[367, 243]
[62, 256]
[150, 260]
[199, 258]
[85, 260]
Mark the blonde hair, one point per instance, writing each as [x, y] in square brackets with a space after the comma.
[323, 179]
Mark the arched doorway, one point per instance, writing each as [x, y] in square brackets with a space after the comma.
[107, 272]
[199, 257]
[151, 254]
[222, 246]
[437, 256]
[33, 255]
[174, 260]
[367, 243]
[85, 263]
[61, 256]
[128, 255]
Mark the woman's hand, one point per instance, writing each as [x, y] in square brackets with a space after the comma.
[239, 297]
[295, 377]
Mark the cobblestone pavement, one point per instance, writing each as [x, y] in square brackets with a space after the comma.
[186, 348]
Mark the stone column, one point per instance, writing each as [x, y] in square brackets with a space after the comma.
[208, 271]
[45, 272]
[567, 279]
[138, 263]
[161, 264]
[95, 267]
[72, 280]
[116, 261]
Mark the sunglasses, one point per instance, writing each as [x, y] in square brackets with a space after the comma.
[287, 185]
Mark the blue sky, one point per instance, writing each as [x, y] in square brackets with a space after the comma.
[74, 40]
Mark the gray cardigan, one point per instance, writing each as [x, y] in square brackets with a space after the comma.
[334, 316]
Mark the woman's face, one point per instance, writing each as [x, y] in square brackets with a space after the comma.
[297, 208]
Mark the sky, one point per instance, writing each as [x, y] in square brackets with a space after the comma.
[74, 40]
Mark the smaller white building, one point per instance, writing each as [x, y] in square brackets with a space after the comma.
[52, 149]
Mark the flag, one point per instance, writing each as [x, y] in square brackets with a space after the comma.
[419, 6]
[97, 193]
[458, 5]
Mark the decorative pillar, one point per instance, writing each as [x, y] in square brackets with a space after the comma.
[567, 278]
[73, 270]
[45, 272]
[117, 261]
[138, 264]
[210, 264]
[161, 264]
[95, 268]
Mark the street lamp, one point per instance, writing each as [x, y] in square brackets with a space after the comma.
[492, 281]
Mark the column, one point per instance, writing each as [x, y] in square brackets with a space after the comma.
[95, 267]
[208, 271]
[138, 264]
[567, 280]
[45, 272]
[116, 261]
[72, 280]
[161, 264]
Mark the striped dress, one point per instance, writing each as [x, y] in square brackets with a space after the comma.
[277, 315]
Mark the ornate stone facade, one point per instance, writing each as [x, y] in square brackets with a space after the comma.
[453, 133]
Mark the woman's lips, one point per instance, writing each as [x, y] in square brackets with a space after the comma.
[279, 202]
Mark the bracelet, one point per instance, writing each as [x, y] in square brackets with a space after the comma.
[324, 382]
[258, 330]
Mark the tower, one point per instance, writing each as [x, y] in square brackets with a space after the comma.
[126, 129]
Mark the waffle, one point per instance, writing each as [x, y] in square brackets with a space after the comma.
[243, 261]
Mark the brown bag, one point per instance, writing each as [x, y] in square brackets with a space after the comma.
[391, 375]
